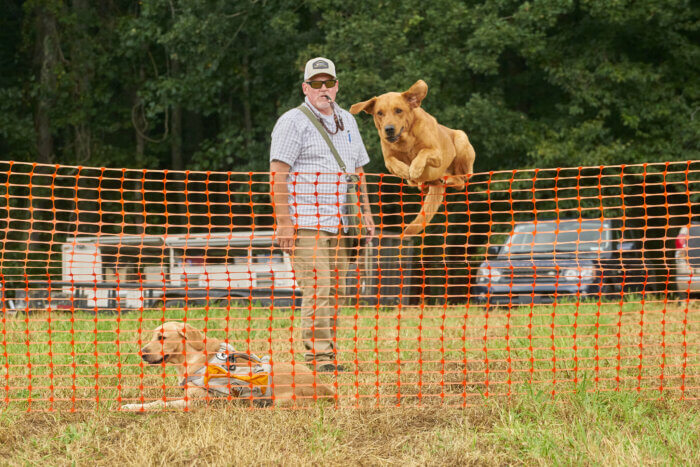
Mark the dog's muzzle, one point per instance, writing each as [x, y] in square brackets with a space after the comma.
[146, 358]
[391, 134]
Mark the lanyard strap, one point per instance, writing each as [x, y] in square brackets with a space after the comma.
[306, 111]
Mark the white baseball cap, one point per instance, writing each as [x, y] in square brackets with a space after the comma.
[318, 65]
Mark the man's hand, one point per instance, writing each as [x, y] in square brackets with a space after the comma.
[368, 223]
[367, 219]
[284, 235]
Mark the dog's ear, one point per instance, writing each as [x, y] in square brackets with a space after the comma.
[367, 106]
[416, 93]
[193, 336]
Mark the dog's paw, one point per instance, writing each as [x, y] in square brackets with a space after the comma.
[133, 407]
[416, 169]
[455, 182]
[434, 160]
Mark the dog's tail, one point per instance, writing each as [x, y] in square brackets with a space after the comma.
[433, 200]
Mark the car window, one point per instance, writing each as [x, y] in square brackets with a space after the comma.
[547, 237]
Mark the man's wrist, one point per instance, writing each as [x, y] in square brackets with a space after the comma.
[284, 222]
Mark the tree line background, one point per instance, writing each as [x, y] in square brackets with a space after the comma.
[183, 84]
[198, 85]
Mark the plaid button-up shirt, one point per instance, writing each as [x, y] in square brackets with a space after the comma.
[315, 183]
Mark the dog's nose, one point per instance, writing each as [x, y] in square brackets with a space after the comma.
[390, 130]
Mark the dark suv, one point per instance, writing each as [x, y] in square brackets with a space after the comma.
[545, 261]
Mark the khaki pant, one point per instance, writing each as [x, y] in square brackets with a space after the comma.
[320, 262]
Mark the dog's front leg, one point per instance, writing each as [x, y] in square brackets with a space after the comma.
[179, 404]
[397, 167]
[425, 157]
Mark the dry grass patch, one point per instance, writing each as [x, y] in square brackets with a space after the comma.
[229, 435]
[533, 429]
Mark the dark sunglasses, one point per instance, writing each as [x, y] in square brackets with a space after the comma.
[319, 84]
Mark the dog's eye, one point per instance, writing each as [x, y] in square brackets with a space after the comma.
[161, 337]
[398, 111]
[380, 113]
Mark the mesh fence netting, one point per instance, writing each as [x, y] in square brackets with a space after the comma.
[562, 280]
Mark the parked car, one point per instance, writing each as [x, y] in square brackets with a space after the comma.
[687, 259]
[546, 261]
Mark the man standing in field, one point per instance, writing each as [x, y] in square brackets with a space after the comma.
[308, 195]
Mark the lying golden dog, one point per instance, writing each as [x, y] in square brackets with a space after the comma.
[209, 369]
[417, 148]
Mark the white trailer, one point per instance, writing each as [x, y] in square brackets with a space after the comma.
[135, 271]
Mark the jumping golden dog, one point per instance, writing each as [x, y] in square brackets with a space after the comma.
[417, 148]
[195, 358]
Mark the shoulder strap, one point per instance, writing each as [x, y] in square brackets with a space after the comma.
[306, 111]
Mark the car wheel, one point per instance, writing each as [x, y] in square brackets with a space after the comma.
[175, 303]
[681, 295]
[611, 292]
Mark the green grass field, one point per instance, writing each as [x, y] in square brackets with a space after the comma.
[569, 383]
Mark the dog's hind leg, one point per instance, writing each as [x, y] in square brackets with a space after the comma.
[463, 163]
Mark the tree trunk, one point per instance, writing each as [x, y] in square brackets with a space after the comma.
[82, 65]
[247, 114]
[176, 161]
[176, 139]
[140, 140]
[45, 60]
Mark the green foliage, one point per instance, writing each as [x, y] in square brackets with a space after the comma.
[201, 84]
[538, 83]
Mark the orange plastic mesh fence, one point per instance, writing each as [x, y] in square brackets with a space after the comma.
[562, 280]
